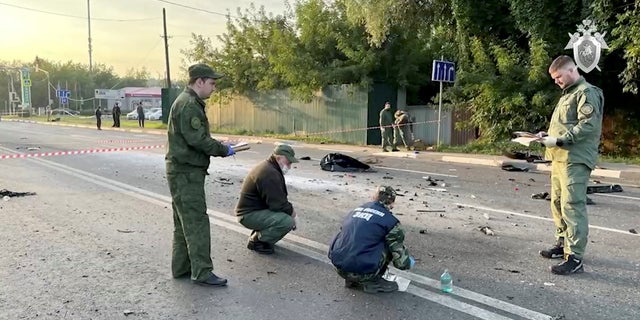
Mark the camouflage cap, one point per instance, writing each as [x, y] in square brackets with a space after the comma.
[287, 151]
[201, 70]
[386, 194]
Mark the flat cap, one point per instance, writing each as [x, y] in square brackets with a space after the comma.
[287, 151]
[201, 70]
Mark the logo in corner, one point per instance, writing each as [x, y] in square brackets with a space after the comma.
[586, 48]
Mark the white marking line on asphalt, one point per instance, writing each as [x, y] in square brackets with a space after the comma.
[540, 218]
[614, 196]
[291, 239]
[420, 172]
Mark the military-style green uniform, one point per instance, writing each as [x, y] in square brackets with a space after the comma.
[386, 122]
[577, 122]
[189, 147]
[402, 131]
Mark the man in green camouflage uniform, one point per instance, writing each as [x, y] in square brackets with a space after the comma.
[370, 238]
[386, 127]
[402, 130]
[572, 145]
[189, 147]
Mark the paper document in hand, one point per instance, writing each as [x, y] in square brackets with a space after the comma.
[525, 140]
[524, 137]
[241, 146]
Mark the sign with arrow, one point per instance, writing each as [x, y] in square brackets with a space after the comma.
[443, 71]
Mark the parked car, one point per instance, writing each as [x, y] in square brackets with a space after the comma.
[133, 115]
[154, 114]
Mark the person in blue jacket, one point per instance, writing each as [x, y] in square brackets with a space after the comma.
[370, 238]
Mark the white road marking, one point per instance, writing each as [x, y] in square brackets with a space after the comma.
[614, 196]
[420, 172]
[297, 244]
[540, 218]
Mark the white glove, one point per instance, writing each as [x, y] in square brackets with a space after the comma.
[549, 141]
[541, 134]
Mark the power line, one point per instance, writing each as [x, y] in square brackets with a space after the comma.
[193, 8]
[72, 16]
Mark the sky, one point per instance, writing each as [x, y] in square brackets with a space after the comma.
[125, 34]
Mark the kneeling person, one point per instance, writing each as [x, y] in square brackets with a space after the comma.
[370, 238]
[263, 205]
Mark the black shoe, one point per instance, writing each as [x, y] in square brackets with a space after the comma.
[555, 252]
[352, 284]
[385, 150]
[213, 281]
[395, 150]
[379, 285]
[260, 247]
[569, 266]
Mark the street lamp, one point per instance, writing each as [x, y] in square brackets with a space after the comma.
[48, 90]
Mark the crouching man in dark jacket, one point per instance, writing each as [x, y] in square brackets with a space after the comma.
[263, 206]
[370, 238]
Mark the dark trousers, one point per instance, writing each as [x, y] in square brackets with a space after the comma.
[141, 121]
[99, 123]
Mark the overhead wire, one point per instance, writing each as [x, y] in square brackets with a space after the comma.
[73, 16]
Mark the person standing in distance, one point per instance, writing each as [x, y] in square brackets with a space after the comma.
[386, 127]
[189, 147]
[98, 118]
[572, 145]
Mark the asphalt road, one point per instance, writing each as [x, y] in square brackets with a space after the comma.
[94, 243]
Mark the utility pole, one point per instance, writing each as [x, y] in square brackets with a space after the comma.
[89, 21]
[166, 47]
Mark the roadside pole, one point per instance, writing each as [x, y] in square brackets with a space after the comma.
[442, 71]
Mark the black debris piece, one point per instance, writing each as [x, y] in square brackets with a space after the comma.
[5, 192]
[342, 163]
[511, 167]
[604, 188]
[305, 158]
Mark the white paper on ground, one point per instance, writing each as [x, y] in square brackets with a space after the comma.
[403, 283]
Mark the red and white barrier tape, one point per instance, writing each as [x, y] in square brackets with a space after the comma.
[120, 141]
[364, 129]
[75, 152]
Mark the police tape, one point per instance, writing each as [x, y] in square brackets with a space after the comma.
[76, 152]
[366, 128]
[120, 141]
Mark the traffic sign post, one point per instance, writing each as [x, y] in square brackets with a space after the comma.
[443, 71]
[25, 82]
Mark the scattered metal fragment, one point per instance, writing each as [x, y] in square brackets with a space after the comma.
[509, 270]
[633, 231]
[7, 193]
[427, 210]
[486, 230]
[423, 231]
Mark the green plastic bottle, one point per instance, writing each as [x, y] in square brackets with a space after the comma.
[446, 283]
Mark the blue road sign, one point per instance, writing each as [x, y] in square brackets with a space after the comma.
[64, 100]
[61, 93]
[444, 71]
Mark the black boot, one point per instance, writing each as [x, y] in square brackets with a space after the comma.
[555, 252]
[260, 247]
[379, 285]
[213, 281]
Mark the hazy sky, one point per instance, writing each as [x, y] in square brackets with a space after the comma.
[125, 33]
